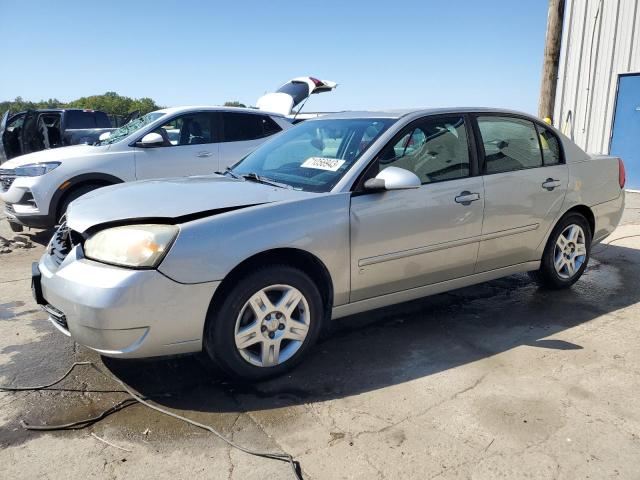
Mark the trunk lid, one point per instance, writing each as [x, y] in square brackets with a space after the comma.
[293, 93]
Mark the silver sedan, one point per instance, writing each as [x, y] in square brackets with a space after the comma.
[336, 216]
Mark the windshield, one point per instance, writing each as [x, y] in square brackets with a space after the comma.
[314, 155]
[133, 126]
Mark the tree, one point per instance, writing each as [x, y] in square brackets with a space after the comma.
[234, 103]
[110, 102]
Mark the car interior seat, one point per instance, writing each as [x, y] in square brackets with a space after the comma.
[195, 135]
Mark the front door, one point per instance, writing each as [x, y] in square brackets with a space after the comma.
[525, 181]
[409, 238]
[3, 141]
[625, 139]
[190, 148]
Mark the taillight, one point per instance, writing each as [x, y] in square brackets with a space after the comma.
[316, 82]
[622, 177]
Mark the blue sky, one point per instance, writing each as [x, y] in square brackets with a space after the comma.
[383, 54]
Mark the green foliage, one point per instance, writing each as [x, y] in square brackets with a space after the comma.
[234, 103]
[110, 102]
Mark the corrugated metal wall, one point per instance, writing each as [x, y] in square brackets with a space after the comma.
[601, 38]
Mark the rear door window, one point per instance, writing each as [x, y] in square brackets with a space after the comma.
[509, 144]
[241, 127]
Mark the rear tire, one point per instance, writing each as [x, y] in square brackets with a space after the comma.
[566, 254]
[265, 324]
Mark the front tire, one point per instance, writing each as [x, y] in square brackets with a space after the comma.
[566, 254]
[265, 324]
[74, 194]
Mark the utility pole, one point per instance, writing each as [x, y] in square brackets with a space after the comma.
[551, 61]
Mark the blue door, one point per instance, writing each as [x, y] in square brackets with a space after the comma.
[625, 141]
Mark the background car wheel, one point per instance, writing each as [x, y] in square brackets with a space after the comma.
[566, 254]
[265, 324]
[74, 194]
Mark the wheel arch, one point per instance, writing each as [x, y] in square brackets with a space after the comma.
[582, 209]
[586, 212]
[68, 186]
[301, 259]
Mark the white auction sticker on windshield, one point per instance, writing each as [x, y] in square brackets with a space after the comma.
[322, 163]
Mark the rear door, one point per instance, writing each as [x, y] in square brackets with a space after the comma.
[405, 239]
[525, 182]
[190, 148]
[241, 133]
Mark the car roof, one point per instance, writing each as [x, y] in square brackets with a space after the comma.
[57, 110]
[215, 108]
[399, 113]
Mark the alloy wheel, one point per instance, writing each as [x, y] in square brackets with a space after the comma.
[272, 325]
[570, 251]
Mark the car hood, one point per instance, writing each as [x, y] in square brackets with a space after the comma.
[176, 199]
[53, 155]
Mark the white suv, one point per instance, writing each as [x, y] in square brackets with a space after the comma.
[37, 188]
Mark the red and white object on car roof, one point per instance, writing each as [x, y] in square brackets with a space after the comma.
[292, 94]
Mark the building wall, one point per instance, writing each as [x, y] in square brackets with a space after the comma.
[601, 38]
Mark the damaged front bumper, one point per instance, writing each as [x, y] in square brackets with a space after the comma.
[122, 312]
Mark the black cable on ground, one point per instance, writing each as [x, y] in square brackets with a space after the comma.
[80, 424]
[135, 398]
[42, 387]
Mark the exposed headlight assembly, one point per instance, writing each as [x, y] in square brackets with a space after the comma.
[35, 169]
[131, 245]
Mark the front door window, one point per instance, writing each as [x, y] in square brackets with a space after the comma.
[435, 149]
[191, 129]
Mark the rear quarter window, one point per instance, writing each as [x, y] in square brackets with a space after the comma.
[240, 127]
[102, 120]
[78, 119]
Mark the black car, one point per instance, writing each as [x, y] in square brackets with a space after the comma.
[35, 130]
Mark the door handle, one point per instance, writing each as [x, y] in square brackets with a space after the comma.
[466, 197]
[551, 183]
[203, 154]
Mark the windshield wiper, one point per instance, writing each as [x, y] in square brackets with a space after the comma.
[230, 172]
[260, 179]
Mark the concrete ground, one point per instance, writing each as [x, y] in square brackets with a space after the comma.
[501, 380]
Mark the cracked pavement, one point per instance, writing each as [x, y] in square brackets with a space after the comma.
[500, 380]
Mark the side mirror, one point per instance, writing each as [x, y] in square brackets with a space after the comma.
[104, 136]
[151, 140]
[393, 178]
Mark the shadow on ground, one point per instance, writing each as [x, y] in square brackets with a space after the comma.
[365, 352]
[41, 237]
[404, 342]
